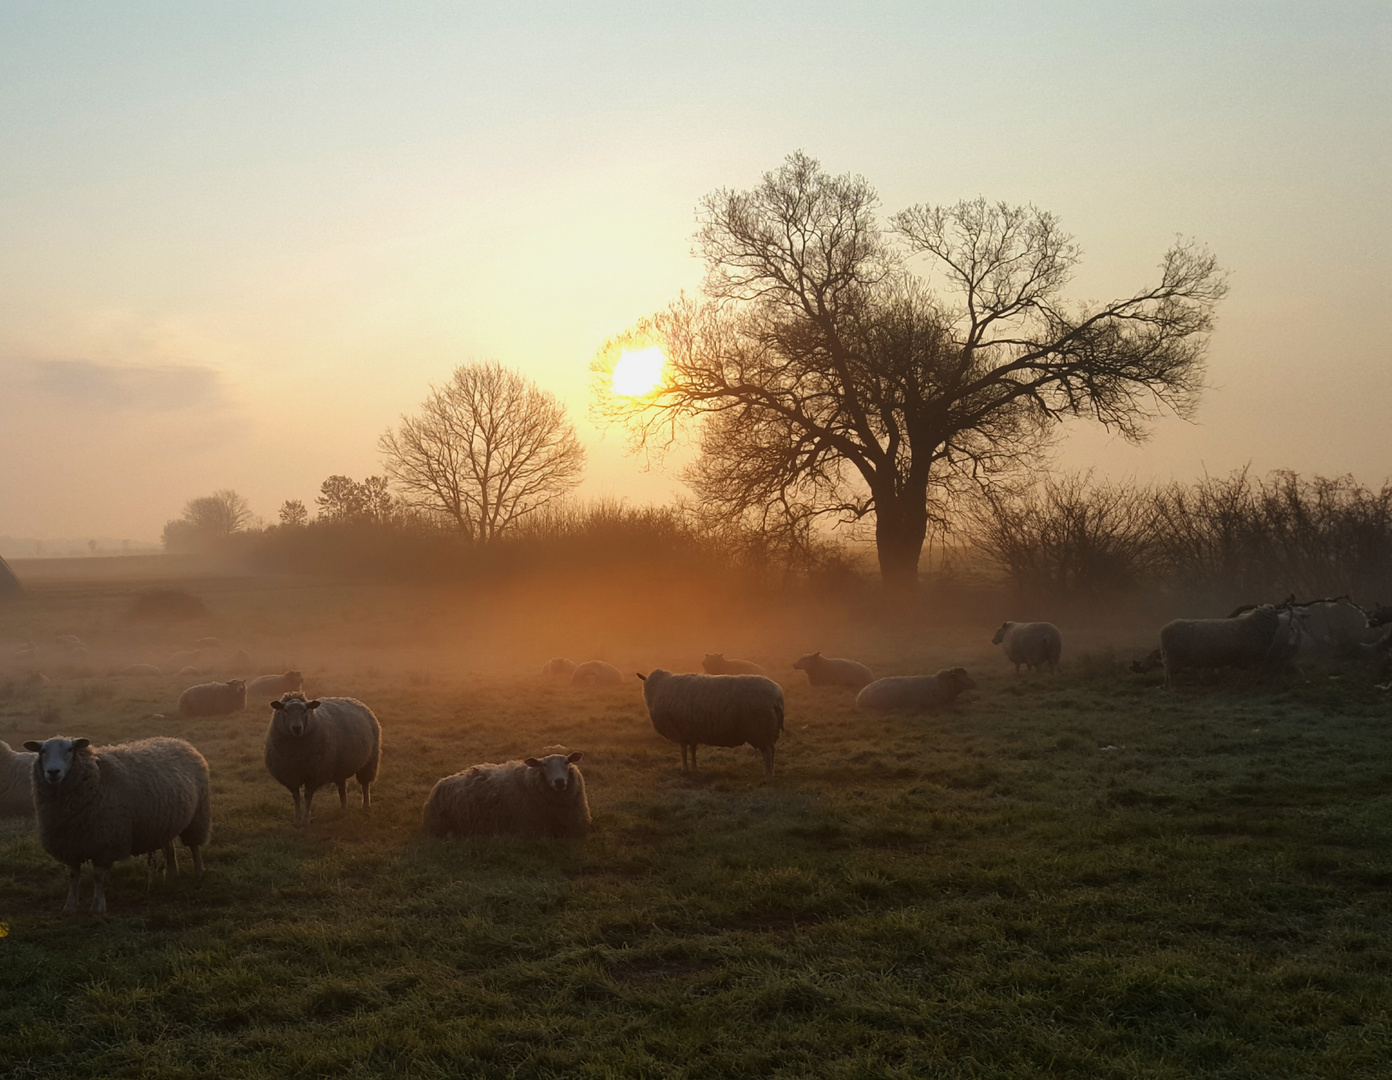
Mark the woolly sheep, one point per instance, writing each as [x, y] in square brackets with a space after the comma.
[596, 673]
[271, 687]
[140, 670]
[16, 782]
[102, 804]
[1264, 637]
[833, 671]
[313, 743]
[213, 699]
[558, 667]
[538, 797]
[241, 663]
[1034, 644]
[915, 691]
[715, 663]
[718, 710]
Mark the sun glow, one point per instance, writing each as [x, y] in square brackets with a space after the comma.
[638, 372]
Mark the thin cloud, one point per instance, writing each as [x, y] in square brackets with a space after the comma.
[125, 387]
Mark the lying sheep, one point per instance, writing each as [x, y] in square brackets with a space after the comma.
[538, 797]
[213, 699]
[313, 743]
[1034, 644]
[715, 663]
[596, 673]
[833, 671]
[915, 691]
[16, 782]
[273, 687]
[108, 803]
[717, 710]
[1262, 637]
[140, 670]
[558, 667]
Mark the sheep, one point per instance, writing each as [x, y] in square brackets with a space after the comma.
[833, 671]
[16, 782]
[558, 667]
[140, 670]
[313, 743]
[1034, 644]
[213, 699]
[270, 687]
[1264, 636]
[718, 710]
[596, 673]
[715, 663]
[915, 691]
[107, 803]
[241, 663]
[538, 797]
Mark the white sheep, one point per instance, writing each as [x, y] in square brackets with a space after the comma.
[213, 699]
[714, 663]
[108, 803]
[538, 797]
[717, 710]
[313, 743]
[16, 782]
[915, 691]
[1034, 644]
[596, 673]
[833, 671]
[558, 667]
[1262, 637]
[273, 687]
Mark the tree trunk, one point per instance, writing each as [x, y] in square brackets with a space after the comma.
[901, 525]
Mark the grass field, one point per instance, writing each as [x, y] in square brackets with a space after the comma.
[1071, 876]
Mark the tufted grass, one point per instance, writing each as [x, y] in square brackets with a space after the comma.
[1080, 876]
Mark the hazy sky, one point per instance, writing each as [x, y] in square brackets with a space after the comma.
[238, 240]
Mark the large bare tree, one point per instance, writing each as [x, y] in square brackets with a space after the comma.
[828, 378]
[486, 449]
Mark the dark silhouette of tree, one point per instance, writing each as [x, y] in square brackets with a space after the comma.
[293, 513]
[486, 449]
[343, 499]
[208, 520]
[828, 379]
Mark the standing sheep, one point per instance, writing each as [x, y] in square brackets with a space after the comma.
[596, 673]
[538, 797]
[112, 802]
[915, 691]
[833, 671]
[1034, 644]
[313, 743]
[715, 663]
[16, 782]
[213, 699]
[558, 667]
[270, 687]
[718, 710]
[1262, 637]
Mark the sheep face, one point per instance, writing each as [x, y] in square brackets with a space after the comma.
[1000, 634]
[56, 757]
[555, 768]
[808, 662]
[294, 717]
[960, 680]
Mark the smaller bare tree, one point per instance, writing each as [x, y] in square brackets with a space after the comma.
[486, 449]
[293, 513]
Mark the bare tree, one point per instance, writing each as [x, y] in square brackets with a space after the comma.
[486, 449]
[343, 499]
[826, 376]
[293, 513]
[208, 520]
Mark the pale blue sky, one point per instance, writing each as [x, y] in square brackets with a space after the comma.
[323, 208]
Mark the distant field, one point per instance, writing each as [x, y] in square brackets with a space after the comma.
[1074, 876]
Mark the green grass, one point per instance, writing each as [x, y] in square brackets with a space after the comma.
[1081, 876]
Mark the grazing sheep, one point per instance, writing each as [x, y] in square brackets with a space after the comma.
[538, 797]
[108, 803]
[213, 699]
[1034, 644]
[271, 687]
[915, 691]
[596, 673]
[16, 782]
[313, 743]
[1265, 637]
[241, 663]
[718, 710]
[558, 667]
[715, 663]
[833, 671]
[140, 670]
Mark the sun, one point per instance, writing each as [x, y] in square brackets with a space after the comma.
[638, 372]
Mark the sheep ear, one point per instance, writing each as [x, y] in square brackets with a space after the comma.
[575, 757]
[277, 705]
[312, 704]
[81, 744]
[33, 745]
[533, 762]
[641, 676]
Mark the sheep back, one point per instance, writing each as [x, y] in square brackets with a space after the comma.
[833, 671]
[343, 739]
[596, 673]
[213, 699]
[512, 798]
[271, 687]
[1034, 644]
[715, 710]
[915, 691]
[717, 664]
[16, 781]
[559, 667]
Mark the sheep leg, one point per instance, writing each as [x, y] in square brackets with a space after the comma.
[298, 809]
[308, 799]
[197, 859]
[684, 769]
[171, 862]
[366, 786]
[75, 872]
[767, 751]
[343, 794]
[99, 892]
